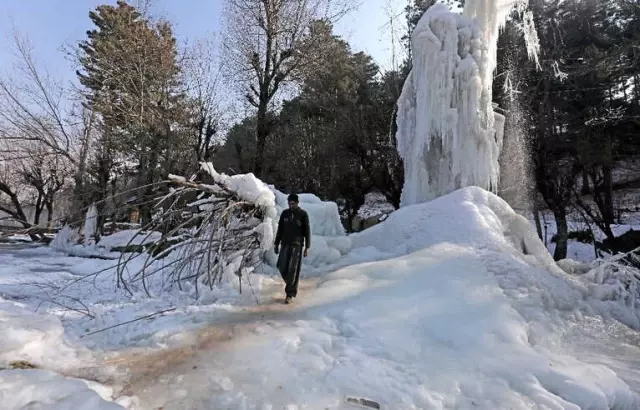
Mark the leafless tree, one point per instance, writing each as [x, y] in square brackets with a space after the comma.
[201, 69]
[47, 175]
[43, 139]
[11, 199]
[266, 42]
[33, 103]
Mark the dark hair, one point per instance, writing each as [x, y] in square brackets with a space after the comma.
[293, 198]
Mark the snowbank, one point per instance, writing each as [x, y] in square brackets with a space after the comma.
[52, 283]
[486, 220]
[35, 338]
[128, 237]
[476, 218]
[39, 340]
[66, 241]
[40, 389]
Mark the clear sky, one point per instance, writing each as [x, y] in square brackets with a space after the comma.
[50, 24]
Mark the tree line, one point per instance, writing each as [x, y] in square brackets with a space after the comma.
[320, 117]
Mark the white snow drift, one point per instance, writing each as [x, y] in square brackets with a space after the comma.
[39, 340]
[41, 389]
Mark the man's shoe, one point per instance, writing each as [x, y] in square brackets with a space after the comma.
[287, 300]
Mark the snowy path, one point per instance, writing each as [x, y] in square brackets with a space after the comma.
[195, 356]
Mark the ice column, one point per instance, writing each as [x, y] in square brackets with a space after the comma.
[448, 135]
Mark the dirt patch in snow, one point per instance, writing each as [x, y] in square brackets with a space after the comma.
[139, 369]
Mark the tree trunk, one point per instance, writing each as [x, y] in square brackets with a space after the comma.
[17, 213]
[102, 193]
[585, 190]
[79, 200]
[38, 209]
[562, 234]
[608, 214]
[49, 204]
[262, 132]
[536, 218]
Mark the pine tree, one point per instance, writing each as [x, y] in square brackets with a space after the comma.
[131, 76]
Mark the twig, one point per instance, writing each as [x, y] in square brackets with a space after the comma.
[129, 321]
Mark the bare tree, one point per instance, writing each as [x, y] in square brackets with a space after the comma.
[10, 196]
[29, 183]
[33, 103]
[43, 139]
[201, 69]
[266, 42]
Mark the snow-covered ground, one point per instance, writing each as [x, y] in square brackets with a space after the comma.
[449, 304]
[576, 250]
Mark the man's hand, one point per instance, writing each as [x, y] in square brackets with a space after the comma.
[306, 252]
[276, 249]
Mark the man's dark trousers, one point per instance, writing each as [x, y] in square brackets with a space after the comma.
[289, 265]
[294, 233]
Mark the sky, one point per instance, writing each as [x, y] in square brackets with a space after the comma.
[51, 24]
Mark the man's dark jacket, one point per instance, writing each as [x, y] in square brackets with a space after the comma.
[293, 228]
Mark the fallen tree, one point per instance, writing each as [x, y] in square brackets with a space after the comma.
[212, 226]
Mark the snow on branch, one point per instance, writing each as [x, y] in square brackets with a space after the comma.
[212, 230]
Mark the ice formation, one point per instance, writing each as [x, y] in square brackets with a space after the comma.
[324, 216]
[90, 224]
[448, 135]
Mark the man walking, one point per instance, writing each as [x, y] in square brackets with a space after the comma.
[295, 234]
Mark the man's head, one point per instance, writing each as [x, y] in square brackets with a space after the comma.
[293, 201]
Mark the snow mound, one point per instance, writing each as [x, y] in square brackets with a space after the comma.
[40, 389]
[128, 237]
[486, 220]
[35, 338]
[479, 219]
[66, 241]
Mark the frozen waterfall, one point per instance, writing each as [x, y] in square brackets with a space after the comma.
[448, 135]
